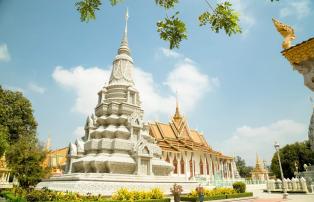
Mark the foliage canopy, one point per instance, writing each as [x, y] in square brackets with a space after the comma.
[173, 29]
[16, 116]
[25, 159]
[292, 156]
[244, 171]
[18, 138]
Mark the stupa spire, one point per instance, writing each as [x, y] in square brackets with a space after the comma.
[124, 47]
[123, 63]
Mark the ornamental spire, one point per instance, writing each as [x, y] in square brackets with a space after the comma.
[124, 48]
[177, 115]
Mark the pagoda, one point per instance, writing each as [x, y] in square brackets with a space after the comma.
[116, 150]
[259, 172]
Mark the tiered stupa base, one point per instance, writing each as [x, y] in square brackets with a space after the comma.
[106, 184]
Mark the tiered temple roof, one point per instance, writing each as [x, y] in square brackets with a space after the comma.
[176, 136]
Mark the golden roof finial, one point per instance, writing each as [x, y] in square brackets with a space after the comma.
[257, 159]
[48, 143]
[286, 32]
[177, 115]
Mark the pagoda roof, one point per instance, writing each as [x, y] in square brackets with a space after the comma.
[176, 136]
[300, 52]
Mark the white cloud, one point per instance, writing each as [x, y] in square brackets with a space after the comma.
[4, 53]
[297, 8]
[246, 141]
[157, 98]
[36, 88]
[170, 53]
[85, 82]
[190, 83]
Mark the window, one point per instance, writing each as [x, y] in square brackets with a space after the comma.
[191, 168]
[182, 166]
[201, 167]
[175, 164]
[207, 167]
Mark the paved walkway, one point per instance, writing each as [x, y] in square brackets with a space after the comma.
[260, 196]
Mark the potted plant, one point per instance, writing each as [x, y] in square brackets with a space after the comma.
[176, 190]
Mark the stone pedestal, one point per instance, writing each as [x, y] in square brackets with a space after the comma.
[107, 184]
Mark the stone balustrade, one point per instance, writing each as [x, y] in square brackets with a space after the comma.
[294, 185]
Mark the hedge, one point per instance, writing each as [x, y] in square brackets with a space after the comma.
[11, 197]
[218, 197]
[240, 187]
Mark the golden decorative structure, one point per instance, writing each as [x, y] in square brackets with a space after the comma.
[300, 56]
[4, 174]
[286, 32]
[259, 172]
[55, 159]
[300, 52]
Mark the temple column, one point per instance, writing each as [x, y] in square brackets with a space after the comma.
[231, 169]
[150, 168]
[204, 167]
[5, 177]
[171, 156]
[8, 177]
[228, 169]
[178, 157]
[221, 168]
[185, 158]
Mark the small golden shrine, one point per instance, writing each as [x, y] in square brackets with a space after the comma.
[4, 174]
[259, 172]
[55, 159]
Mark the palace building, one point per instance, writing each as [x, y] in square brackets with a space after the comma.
[188, 151]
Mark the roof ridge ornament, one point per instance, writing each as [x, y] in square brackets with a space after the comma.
[177, 114]
[286, 32]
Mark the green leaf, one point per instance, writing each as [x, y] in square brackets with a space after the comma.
[173, 30]
[166, 3]
[223, 17]
[87, 9]
[115, 2]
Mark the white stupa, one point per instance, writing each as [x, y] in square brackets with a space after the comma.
[116, 150]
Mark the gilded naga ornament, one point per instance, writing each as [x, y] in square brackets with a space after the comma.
[286, 32]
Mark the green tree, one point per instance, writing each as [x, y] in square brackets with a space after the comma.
[18, 138]
[244, 171]
[16, 116]
[25, 159]
[3, 140]
[172, 29]
[292, 155]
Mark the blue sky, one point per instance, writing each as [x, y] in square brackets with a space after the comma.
[239, 91]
